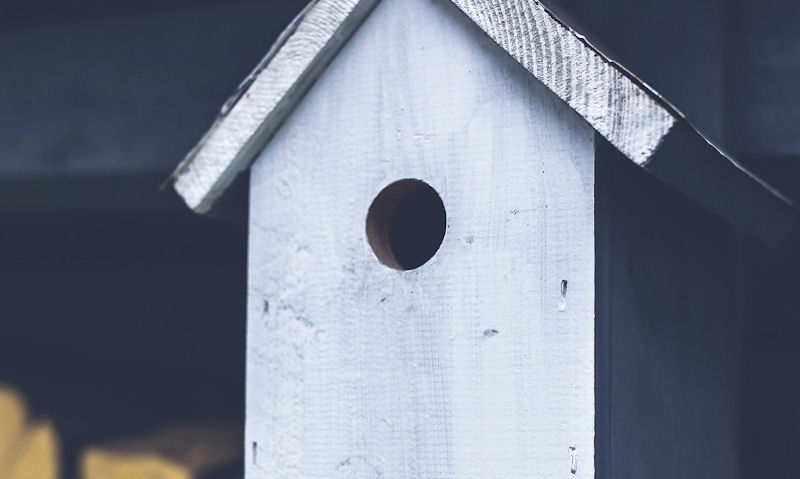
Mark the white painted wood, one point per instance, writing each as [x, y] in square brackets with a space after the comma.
[628, 113]
[267, 96]
[471, 366]
[623, 111]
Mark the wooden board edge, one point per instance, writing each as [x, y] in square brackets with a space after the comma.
[630, 115]
[633, 117]
[625, 111]
[690, 164]
[285, 75]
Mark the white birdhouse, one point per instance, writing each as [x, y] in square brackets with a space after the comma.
[478, 248]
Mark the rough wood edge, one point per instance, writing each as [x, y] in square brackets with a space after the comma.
[633, 117]
[265, 98]
[624, 110]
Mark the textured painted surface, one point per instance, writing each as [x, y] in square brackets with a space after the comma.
[481, 362]
[621, 110]
[227, 148]
[676, 47]
[619, 107]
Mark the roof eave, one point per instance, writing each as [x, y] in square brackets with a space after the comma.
[624, 110]
[264, 100]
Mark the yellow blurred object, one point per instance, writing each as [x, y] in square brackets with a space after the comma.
[176, 453]
[109, 465]
[13, 414]
[33, 455]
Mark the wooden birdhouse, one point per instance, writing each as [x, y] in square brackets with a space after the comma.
[478, 248]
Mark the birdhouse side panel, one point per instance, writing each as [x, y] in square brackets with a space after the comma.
[671, 309]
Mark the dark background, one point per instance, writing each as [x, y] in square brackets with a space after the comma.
[121, 309]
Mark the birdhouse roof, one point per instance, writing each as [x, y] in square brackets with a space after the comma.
[630, 115]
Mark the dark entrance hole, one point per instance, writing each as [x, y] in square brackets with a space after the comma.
[406, 224]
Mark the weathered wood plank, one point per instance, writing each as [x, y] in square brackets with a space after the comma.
[266, 98]
[621, 110]
[479, 363]
[631, 117]
[620, 107]
[686, 68]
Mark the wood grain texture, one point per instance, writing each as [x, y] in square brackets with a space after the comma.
[686, 67]
[473, 365]
[632, 118]
[621, 110]
[265, 98]
[624, 112]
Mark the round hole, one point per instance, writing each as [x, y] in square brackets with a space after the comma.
[406, 224]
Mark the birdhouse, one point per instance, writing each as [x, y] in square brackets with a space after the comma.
[479, 248]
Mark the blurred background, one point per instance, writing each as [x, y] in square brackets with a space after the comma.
[123, 313]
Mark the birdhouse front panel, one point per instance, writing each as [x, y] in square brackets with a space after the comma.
[421, 269]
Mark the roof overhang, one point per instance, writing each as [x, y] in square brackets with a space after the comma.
[620, 107]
